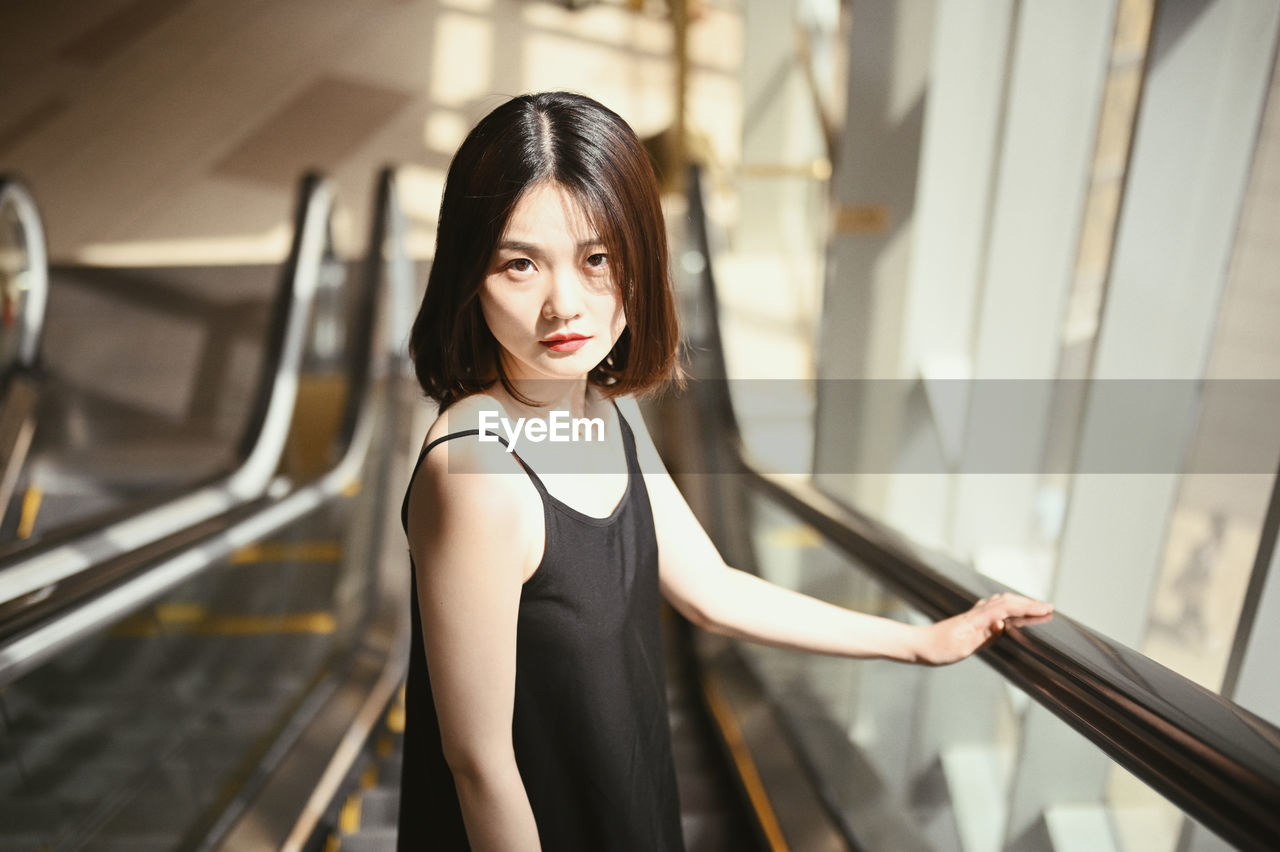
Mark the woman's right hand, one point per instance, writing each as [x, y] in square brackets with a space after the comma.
[952, 639]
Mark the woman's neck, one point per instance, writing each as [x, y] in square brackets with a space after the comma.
[547, 395]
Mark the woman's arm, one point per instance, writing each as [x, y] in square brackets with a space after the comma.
[721, 599]
[472, 540]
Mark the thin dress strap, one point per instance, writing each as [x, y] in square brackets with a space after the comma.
[628, 442]
[451, 436]
[404, 507]
[628, 446]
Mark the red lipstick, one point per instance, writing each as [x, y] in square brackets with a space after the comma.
[565, 342]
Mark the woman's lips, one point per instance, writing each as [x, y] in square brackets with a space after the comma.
[565, 343]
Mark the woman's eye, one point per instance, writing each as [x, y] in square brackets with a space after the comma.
[598, 260]
[520, 264]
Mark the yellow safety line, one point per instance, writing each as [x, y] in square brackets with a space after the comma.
[746, 766]
[289, 551]
[177, 612]
[333, 843]
[252, 625]
[395, 718]
[30, 508]
[349, 816]
[191, 620]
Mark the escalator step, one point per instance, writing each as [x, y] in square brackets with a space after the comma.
[389, 771]
[370, 840]
[379, 807]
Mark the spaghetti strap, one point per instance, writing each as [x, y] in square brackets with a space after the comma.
[538, 482]
[542, 489]
[404, 507]
[628, 440]
[452, 435]
[628, 448]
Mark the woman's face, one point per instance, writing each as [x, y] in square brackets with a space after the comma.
[549, 296]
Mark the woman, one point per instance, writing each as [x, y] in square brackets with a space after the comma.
[542, 722]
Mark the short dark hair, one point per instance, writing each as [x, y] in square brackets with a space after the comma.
[574, 142]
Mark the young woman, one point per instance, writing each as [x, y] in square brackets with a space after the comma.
[542, 722]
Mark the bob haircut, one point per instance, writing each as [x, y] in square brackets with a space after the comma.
[575, 142]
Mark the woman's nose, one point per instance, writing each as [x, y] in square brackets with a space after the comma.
[564, 296]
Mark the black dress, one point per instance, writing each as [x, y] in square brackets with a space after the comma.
[590, 728]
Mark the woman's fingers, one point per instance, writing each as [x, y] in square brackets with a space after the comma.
[1008, 609]
[971, 631]
[1009, 604]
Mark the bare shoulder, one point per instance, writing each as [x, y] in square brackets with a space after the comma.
[462, 416]
[471, 499]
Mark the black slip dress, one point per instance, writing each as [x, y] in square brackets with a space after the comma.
[590, 728]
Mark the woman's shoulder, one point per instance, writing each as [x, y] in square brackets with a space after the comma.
[470, 502]
[464, 415]
[457, 442]
[463, 471]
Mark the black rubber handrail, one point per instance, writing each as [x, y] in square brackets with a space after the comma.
[1215, 760]
[37, 587]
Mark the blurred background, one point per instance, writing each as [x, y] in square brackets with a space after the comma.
[987, 290]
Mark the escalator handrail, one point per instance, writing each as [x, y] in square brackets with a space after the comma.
[1217, 761]
[35, 575]
[14, 192]
[387, 262]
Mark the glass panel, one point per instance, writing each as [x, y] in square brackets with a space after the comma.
[1216, 525]
[773, 208]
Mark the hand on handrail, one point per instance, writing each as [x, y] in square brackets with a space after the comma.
[955, 638]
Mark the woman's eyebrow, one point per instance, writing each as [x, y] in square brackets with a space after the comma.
[513, 245]
[516, 245]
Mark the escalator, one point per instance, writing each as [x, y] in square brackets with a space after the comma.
[197, 614]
